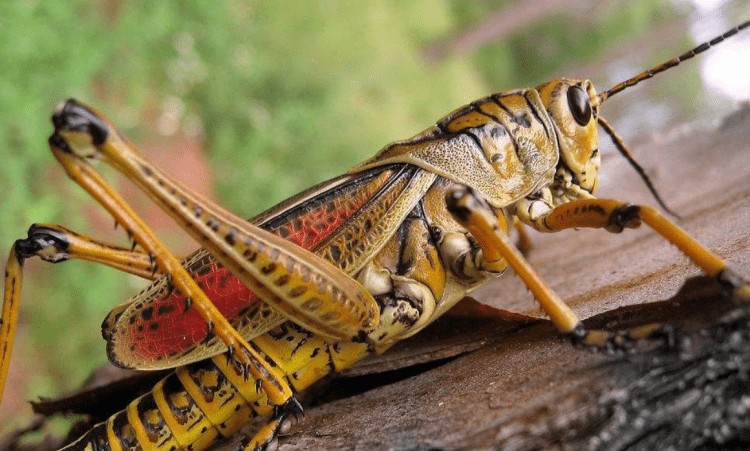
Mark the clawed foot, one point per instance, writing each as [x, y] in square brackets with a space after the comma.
[44, 242]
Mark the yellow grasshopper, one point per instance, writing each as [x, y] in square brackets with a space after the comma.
[341, 271]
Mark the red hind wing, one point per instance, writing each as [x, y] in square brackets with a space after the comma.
[154, 330]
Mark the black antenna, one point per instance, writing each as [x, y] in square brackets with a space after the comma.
[625, 151]
[645, 75]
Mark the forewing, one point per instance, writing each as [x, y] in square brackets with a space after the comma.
[156, 330]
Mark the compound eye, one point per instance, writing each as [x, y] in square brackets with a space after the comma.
[578, 102]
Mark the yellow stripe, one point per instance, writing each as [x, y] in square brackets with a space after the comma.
[137, 425]
[166, 412]
[191, 387]
[245, 389]
[199, 440]
[236, 380]
[114, 441]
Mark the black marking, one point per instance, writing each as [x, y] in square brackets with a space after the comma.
[457, 208]
[297, 291]
[269, 361]
[250, 256]
[213, 224]
[188, 302]
[335, 253]
[121, 427]
[231, 237]
[243, 311]
[471, 135]
[146, 405]
[170, 285]
[521, 119]
[538, 116]
[498, 131]
[436, 233]
[203, 270]
[153, 326]
[283, 280]
[77, 117]
[621, 217]
[268, 269]
[147, 313]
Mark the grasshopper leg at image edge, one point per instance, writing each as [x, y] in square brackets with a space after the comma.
[81, 172]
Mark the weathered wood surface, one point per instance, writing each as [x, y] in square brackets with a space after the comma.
[513, 383]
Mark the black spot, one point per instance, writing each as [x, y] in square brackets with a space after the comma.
[335, 253]
[165, 309]
[497, 132]
[268, 269]
[148, 313]
[213, 224]
[297, 291]
[153, 326]
[231, 237]
[203, 270]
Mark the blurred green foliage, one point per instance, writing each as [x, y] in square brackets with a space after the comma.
[282, 100]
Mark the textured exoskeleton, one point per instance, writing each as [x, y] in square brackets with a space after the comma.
[341, 271]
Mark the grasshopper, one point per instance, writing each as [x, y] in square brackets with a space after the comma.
[344, 270]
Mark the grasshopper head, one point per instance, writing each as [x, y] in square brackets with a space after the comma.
[574, 107]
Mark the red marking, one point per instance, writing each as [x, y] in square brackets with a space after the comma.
[167, 331]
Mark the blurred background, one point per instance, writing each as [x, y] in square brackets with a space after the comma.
[250, 102]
